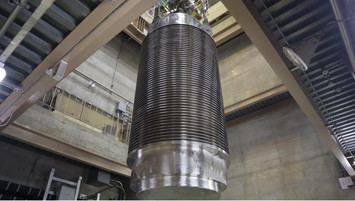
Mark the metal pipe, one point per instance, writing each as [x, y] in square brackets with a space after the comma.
[12, 17]
[10, 85]
[29, 24]
[344, 33]
[83, 75]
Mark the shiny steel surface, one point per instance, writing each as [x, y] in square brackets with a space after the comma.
[164, 167]
[178, 147]
[178, 18]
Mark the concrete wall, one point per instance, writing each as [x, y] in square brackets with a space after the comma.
[279, 155]
[244, 71]
[273, 156]
[118, 61]
[78, 134]
[29, 166]
[19, 161]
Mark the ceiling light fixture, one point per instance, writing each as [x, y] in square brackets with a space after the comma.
[2, 71]
[295, 58]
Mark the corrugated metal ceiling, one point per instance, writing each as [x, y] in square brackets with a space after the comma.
[58, 21]
[328, 80]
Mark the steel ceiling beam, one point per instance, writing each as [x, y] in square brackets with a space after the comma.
[29, 24]
[12, 17]
[249, 19]
[16, 98]
[105, 22]
[336, 5]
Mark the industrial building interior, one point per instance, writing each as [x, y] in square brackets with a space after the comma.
[177, 99]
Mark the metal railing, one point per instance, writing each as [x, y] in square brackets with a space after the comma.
[110, 124]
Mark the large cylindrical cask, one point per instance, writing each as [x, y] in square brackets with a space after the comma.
[178, 145]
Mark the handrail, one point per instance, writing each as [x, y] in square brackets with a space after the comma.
[83, 75]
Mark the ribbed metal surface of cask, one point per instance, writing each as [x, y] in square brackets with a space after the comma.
[178, 93]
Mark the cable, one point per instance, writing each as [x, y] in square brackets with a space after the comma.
[108, 188]
[121, 187]
[33, 168]
[342, 20]
[8, 120]
[124, 192]
[337, 132]
[283, 36]
[88, 197]
[272, 18]
[327, 113]
[117, 62]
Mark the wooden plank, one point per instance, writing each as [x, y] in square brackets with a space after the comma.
[216, 11]
[223, 31]
[134, 33]
[223, 26]
[228, 35]
[147, 17]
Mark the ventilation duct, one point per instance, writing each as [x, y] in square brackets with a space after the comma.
[178, 146]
